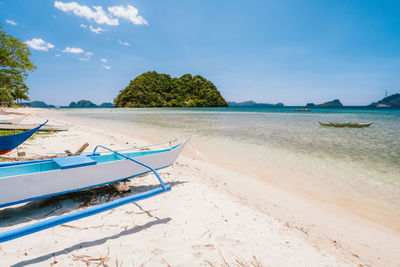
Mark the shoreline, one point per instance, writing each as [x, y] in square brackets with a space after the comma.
[317, 240]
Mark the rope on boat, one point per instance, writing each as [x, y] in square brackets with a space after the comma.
[134, 160]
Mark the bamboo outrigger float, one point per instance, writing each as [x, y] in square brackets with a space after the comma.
[346, 124]
[45, 178]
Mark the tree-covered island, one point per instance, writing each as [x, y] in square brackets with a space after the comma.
[152, 89]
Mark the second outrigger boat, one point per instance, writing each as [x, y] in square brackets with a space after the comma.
[31, 180]
[12, 141]
[346, 124]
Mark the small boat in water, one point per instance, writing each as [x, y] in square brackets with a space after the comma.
[346, 124]
[302, 109]
[12, 141]
[31, 180]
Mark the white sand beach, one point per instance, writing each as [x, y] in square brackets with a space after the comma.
[212, 217]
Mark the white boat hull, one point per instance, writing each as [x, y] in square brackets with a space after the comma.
[27, 187]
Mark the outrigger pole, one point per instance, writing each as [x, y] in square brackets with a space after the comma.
[39, 226]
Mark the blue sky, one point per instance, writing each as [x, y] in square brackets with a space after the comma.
[268, 51]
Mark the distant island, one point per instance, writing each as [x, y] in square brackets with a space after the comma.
[88, 104]
[152, 89]
[390, 101]
[37, 104]
[79, 104]
[330, 104]
[253, 104]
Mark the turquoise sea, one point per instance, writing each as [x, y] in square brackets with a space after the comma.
[358, 168]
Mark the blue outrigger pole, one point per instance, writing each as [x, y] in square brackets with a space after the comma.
[39, 226]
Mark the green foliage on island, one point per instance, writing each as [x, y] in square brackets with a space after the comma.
[14, 67]
[152, 89]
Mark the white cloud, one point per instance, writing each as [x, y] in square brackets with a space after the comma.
[73, 50]
[39, 44]
[106, 67]
[100, 16]
[103, 60]
[124, 43]
[58, 55]
[98, 30]
[129, 12]
[87, 56]
[9, 21]
[97, 13]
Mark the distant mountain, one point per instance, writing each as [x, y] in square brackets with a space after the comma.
[82, 104]
[88, 104]
[253, 104]
[392, 101]
[330, 104]
[37, 104]
[106, 105]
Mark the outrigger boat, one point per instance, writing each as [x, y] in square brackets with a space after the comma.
[346, 124]
[31, 180]
[24, 127]
[10, 142]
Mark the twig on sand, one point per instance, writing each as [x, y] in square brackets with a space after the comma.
[225, 262]
[212, 265]
[89, 227]
[204, 233]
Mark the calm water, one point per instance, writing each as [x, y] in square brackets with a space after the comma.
[287, 147]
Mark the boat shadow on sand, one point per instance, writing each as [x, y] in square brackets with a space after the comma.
[93, 243]
[58, 205]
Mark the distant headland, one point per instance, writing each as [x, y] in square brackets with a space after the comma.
[330, 104]
[390, 101]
